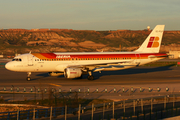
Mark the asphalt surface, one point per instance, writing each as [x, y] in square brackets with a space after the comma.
[138, 75]
[137, 78]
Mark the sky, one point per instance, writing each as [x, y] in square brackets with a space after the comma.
[89, 14]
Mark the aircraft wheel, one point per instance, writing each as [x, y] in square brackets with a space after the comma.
[90, 77]
[28, 79]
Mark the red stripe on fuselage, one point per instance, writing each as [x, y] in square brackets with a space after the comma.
[103, 56]
[143, 55]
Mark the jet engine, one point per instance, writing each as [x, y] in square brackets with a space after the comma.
[55, 73]
[72, 72]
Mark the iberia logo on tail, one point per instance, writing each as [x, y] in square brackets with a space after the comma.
[153, 42]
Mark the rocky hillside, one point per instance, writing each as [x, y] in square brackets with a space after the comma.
[60, 40]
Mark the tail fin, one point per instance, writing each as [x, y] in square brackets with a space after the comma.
[153, 41]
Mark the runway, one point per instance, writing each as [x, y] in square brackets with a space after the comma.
[138, 75]
[136, 78]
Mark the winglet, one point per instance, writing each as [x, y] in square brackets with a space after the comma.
[153, 41]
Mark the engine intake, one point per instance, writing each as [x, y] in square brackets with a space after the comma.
[72, 72]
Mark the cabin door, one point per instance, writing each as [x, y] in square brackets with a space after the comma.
[30, 60]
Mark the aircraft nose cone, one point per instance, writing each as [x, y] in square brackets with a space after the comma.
[8, 66]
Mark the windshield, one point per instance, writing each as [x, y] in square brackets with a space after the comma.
[17, 59]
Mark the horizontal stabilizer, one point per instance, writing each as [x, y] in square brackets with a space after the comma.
[155, 56]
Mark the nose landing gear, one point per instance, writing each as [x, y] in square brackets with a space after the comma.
[28, 76]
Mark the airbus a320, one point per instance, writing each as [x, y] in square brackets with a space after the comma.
[74, 65]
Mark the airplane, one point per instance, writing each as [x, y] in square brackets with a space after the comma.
[76, 64]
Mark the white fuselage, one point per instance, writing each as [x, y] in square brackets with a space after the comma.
[31, 63]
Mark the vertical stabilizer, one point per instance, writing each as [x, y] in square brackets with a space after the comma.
[153, 41]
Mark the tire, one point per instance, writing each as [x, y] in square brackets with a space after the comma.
[90, 77]
[28, 79]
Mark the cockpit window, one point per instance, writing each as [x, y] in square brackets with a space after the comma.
[17, 59]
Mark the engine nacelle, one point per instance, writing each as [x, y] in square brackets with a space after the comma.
[55, 74]
[72, 72]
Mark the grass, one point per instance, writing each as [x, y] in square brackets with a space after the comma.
[2, 65]
[58, 102]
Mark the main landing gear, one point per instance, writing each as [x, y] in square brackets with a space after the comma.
[90, 77]
[28, 76]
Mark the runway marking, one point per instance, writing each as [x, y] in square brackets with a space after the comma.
[56, 85]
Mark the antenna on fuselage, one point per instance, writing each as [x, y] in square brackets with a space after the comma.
[29, 52]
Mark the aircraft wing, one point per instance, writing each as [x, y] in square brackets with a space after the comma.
[102, 66]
